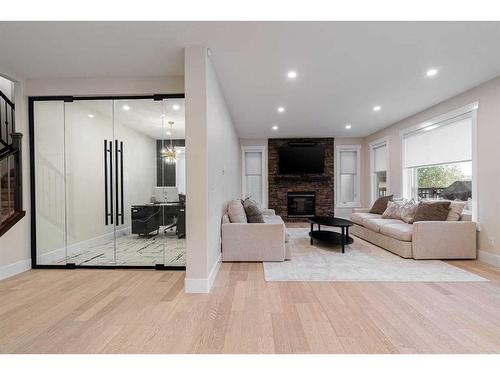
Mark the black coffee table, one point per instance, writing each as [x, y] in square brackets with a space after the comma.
[330, 237]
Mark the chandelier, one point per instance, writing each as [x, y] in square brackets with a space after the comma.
[169, 154]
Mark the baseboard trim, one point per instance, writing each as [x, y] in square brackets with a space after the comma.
[14, 268]
[203, 285]
[490, 258]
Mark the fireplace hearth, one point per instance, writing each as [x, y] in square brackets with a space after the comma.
[301, 204]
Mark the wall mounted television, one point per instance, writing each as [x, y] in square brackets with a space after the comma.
[301, 158]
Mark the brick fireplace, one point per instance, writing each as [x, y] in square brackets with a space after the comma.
[300, 187]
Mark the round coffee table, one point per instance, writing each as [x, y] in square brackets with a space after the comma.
[330, 237]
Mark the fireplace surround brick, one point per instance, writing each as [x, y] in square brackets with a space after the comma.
[280, 185]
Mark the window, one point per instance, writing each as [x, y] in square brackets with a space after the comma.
[379, 170]
[438, 159]
[253, 172]
[348, 176]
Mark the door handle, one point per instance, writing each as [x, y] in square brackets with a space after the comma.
[119, 182]
[108, 214]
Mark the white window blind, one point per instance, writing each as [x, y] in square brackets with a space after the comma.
[380, 159]
[348, 162]
[449, 143]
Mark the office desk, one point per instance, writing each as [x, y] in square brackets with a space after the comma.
[148, 217]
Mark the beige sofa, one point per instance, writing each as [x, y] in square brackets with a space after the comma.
[255, 242]
[420, 240]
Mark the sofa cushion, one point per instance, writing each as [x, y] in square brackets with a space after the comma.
[432, 211]
[380, 205]
[358, 217]
[400, 231]
[374, 224]
[236, 212]
[253, 211]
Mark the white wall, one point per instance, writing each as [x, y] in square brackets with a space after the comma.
[7, 87]
[212, 166]
[15, 245]
[488, 154]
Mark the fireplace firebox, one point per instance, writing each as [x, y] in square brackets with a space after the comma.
[301, 204]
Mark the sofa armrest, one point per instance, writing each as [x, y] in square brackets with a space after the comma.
[255, 242]
[361, 210]
[444, 240]
[268, 211]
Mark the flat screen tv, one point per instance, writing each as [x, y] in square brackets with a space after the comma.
[307, 158]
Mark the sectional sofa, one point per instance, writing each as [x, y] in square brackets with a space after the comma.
[420, 240]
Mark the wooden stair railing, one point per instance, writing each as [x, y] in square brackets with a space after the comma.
[11, 206]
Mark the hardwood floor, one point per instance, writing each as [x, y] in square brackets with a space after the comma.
[137, 311]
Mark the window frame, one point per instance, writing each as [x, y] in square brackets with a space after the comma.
[408, 174]
[357, 193]
[384, 141]
[263, 151]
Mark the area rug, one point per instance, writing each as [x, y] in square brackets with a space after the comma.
[361, 261]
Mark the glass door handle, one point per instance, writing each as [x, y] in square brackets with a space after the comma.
[111, 181]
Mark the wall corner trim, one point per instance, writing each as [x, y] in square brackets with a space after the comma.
[15, 268]
[203, 285]
[490, 258]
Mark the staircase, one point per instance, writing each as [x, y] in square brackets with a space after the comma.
[10, 167]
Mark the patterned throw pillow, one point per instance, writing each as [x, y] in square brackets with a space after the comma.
[432, 211]
[380, 205]
[393, 210]
[408, 211]
[253, 211]
[456, 209]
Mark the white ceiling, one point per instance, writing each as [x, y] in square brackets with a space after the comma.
[344, 68]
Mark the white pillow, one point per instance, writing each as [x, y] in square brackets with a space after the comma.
[236, 212]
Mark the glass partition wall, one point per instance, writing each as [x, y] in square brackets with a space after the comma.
[108, 182]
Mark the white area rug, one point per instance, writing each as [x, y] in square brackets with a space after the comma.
[361, 261]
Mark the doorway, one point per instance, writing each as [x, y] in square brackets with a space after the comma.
[108, 182]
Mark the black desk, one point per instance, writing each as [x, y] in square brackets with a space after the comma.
[148, 217]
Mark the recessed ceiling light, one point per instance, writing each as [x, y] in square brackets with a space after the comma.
[126, 107]
[281, 109]
[169, 133]
[292, 74]
[275, 127]
[432, 72]
[377, 108]
[348, 126]
[176, 107]
[91, 115]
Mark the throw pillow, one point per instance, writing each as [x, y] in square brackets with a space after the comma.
[432, 211]
[380, 205]
[393, 210]
[236, 212]
[456, 208]
[408, 212]
[253, 211]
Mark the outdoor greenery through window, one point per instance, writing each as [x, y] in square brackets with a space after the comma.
[449, 181]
